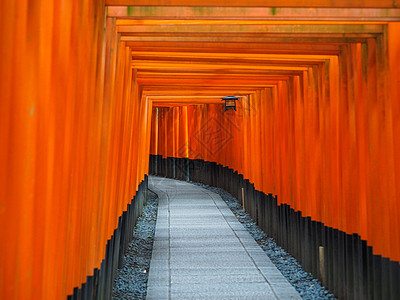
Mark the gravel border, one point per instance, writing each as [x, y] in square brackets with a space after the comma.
[305, 284]
[131, 280]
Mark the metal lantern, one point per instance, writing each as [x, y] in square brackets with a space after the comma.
[230, 102]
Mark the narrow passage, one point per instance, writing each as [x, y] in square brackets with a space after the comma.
[201, 251]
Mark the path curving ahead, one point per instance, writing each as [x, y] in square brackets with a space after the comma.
[201, 251]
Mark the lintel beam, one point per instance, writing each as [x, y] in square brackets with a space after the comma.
[248, 29]
[257, 3]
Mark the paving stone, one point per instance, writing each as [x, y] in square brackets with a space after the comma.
[157, 292]
[202, 251]
[217, 278]
[244, 289]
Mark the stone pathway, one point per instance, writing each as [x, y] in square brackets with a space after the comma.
[201, 251]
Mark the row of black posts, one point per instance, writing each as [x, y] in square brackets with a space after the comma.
[343, 262]
[100, 284]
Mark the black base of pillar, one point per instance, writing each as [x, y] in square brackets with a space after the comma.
[100, 284]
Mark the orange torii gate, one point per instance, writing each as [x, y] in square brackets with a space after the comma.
[89, 90]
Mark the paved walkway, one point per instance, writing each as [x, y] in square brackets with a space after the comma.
[201, 251]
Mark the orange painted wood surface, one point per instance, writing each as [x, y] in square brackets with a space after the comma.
[257, 3]
[86, 96]
[71, 119]
[324, 141]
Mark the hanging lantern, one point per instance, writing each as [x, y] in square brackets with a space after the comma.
[230, 102]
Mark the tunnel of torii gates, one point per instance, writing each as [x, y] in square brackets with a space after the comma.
[89, 89]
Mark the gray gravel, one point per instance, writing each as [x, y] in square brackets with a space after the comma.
[131, 280]
[304, 283]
